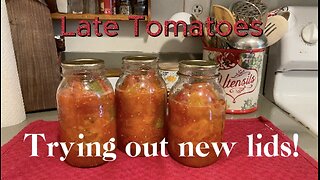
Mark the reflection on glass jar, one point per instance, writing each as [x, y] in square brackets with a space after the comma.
[141, 103]
[196, 112]
[86, 105]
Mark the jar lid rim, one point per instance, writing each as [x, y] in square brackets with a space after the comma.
[198, 68]
[140, 58]
[198, 63]
[83, 63]
[173, 66]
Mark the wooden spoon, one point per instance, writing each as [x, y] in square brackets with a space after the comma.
[220, 13]
[276, 28]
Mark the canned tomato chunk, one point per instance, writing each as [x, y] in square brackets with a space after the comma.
[196, 112]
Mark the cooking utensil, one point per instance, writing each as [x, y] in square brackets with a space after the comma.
[275, 29]
[218, 41]
[249, 11]
[206, 38]
[248, 42]
[214, 42]
[218, 14]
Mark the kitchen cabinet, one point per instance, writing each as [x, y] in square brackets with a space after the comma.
[36, 53]
[116, 17]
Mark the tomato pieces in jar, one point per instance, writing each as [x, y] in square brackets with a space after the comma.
[141, 106]
[86, 105]
[196, 114]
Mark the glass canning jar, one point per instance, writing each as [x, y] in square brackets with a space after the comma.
[196, 112]
[86, 105]
[140, 103]
[125, 7]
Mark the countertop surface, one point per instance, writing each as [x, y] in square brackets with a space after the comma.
[308, 141]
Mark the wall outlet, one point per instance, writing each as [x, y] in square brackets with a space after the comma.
[197, 9]
[200, 8]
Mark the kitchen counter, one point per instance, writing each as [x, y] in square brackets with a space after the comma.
[308, 141]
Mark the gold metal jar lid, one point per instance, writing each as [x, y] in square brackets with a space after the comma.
[198, 68]
[169, 66]
[140, 59]
[83, 64]
[198, 63]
